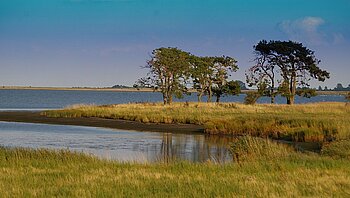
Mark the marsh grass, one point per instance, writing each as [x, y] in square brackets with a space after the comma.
[316, 122]
[337, 149]
[45, 173]
[249, 148]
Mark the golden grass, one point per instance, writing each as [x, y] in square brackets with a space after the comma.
[304, 122]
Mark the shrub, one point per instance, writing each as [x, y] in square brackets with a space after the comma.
[251, 98]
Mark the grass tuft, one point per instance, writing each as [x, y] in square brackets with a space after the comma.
[249, 148]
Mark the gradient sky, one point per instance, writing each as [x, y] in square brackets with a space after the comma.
[104, 42]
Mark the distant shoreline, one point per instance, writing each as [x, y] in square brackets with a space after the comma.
[77, 89]
[129, 89]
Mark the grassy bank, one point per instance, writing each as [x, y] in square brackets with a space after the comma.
[316, 122]
[279, 172]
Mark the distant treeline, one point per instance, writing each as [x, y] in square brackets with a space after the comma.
[120, 87]
[339, 87]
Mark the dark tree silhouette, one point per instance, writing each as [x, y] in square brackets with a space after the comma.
[296, 65]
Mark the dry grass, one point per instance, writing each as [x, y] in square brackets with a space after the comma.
[307, 122]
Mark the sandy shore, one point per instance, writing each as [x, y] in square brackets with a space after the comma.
[35, 117]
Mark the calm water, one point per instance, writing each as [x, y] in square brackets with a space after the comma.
[108, 143]
[52, 99]
[116, 144]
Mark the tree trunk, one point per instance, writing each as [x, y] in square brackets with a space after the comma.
[217, 99]
[170, 99]
[209, 94]
[165, 99]
[272, 91]
[293, 88]
[292, 99]
[272, 99]
[200, 94]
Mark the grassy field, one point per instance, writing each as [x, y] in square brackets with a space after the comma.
[317, 122]
[264, 169]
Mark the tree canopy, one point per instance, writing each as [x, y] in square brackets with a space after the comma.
[171, 70]
[168, 72]
[295, 64]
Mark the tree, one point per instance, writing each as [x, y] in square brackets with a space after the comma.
[296, 64]
[222, 69]
[319, 88]
[169, 72]
[210, 73]
[253, 96]
[229, 88]
[201, 73]
[339, 87]
[263, 72]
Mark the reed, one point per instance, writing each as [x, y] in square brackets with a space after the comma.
[316, 122]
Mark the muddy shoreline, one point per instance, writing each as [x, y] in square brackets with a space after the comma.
[35, 117]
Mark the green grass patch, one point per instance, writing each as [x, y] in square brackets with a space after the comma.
[44, 173]
[317, 122]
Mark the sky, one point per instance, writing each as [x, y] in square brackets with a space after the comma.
[101, 43]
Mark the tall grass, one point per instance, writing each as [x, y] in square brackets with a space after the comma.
[337, 149]
[43, 173]
[317, 122]
[249, 148]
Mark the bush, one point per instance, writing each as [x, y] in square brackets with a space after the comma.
[251, 98]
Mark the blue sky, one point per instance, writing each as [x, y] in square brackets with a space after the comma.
[104, 42]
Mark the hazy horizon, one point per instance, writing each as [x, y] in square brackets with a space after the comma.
[101, 43]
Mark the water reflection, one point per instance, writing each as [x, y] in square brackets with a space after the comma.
[197, 148]
[118, 144]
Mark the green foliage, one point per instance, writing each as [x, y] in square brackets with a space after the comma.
[306, 92]
[251, 98]
[283, 89]
[229, 88]
[262, 74]
[210, 74]
[295, 63]
[169, 72]
[202, 71]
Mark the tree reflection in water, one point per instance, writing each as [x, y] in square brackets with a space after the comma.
[195, 148]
